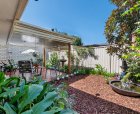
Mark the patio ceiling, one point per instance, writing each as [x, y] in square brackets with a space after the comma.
[29, 35]
[10, 10]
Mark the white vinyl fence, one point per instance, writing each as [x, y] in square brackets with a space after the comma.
[110, 63]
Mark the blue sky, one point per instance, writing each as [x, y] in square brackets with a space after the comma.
[84, 18]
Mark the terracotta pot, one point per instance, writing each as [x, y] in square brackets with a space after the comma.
[10, 73]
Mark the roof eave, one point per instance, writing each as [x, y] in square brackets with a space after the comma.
[31, 29]
[20, 9]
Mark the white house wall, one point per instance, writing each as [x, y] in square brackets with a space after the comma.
[14, 52]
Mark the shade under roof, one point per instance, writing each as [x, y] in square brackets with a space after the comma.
[9, 11]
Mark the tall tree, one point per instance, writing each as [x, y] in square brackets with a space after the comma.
[77, 41]
[119, 29]
[133, 57]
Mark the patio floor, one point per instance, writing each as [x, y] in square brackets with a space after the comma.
[47, 75]
[93, 96]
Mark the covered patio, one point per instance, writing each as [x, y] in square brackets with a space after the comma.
[41, 40]
[18, 40]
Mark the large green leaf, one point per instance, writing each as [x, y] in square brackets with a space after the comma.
[27, 112]
[9, 80]
[10, 92]
[33, 91]
[2, 109]
[2, 77]
[46, 88]
[8, 109]
[45, 103]
[52, 111]
[22, 84]
[21, 93]
[68, 111]
[17, 96]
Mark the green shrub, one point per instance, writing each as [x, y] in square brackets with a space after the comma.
[64, 68]
[20, 97]
[108, 74]
[83, 71]
[48, 65]
[100, 69]
[87, 71]
[93, 71]
[54, 60]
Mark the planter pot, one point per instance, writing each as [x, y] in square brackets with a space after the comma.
[9, 73]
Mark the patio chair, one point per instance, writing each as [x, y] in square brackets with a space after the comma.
[25, 69]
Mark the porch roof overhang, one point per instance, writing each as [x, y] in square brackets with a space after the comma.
[10, 10]
[49, 39]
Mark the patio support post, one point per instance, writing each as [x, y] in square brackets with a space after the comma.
[44, 57]
[69, 58]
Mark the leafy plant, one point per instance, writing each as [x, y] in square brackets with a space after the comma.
[93, 71]
[83, 71]
[48, 65]
[38, 58]
[133, 57]
[85, 52]
[77, 41]
[87, 71]
[64, 68]
[9, 67]
[107, 79]
[20, 97]
[54, 60]
[119, 28]
[99, 69]
[2, 77]
[108, 74]
[74, 62]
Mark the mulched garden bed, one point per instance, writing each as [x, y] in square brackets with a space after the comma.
[93, 96]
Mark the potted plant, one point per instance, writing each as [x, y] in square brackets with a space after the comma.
[9, 70]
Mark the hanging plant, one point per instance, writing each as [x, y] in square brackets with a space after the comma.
[35, 54]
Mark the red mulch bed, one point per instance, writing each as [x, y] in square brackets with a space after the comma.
[93, 96]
